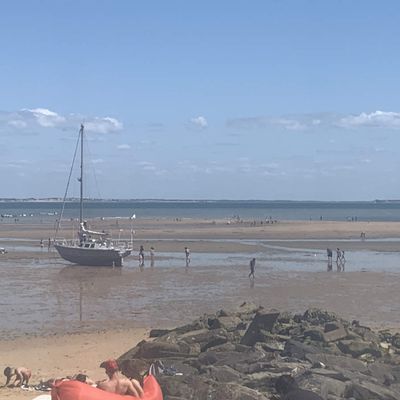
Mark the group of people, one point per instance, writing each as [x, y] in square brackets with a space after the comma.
[116, 382]
[48, 244]
[340, 259]
[152, 256]
[141, 256]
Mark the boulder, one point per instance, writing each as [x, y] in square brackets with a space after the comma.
[334, 335]
[263, 320]
[356, 348]
[370, 391]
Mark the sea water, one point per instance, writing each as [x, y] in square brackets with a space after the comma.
[43, 296]
[259, 210]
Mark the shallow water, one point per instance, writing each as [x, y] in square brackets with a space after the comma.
[45, 296]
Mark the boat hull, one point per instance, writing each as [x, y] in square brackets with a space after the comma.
[107, 257]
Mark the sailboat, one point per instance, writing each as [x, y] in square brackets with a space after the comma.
[90, 248]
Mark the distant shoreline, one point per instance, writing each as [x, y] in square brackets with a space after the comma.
[191, 201]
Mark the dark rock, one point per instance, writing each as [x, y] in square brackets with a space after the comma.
[339, 363]
[222, 373]
[370, 391]
[157, 350]
[334, 335]
[332, 326]
[299, 350]
[382, 372]
[315, 334]
[240, 355]
[205, 338]
[232, 391]
[158, 332]
[230, 323]
[315, 316]
[356, 348]
[331, 386]
[263, 320]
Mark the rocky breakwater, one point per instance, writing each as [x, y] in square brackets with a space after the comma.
[241, 354]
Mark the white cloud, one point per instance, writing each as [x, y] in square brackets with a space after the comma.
[123, 147]
[45, 117]
[103, 125]
[290, 124]
[17, 123]
[378, 119]
[33, 118]
[199, 122]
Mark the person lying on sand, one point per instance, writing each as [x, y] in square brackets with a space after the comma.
[117, 383]
[84, 379]
[22, 376]
[49, 383]
[287, 387]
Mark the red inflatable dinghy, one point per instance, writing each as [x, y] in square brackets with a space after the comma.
[74, 390]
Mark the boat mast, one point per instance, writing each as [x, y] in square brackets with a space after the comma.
[81, 179]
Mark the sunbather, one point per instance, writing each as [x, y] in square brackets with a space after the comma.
[117, 383]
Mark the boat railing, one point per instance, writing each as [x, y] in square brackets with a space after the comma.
[120, 244]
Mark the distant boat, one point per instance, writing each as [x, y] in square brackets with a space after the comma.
[90, 247]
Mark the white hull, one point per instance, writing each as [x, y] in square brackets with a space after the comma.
[107, 256]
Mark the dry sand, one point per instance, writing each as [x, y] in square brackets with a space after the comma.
[60, 356]
[371, 297]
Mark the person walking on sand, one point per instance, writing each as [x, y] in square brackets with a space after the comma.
[187, 256]
[252, 268]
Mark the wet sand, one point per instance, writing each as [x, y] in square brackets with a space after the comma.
[72, 308]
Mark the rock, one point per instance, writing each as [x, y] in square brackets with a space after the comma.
[299, 350]
[158, 332]
[315, 334]
[358, 347]
[233, 391]
[339, 363]
[336, 334]
[157, 350]
[263, 320]
[328, 385]
[216, 358]
[222, 373]
[369, 391]
[382, 372]
[315, 316]
[230, 323]
[205, 338]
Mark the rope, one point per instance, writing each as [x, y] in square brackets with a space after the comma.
[66, 189]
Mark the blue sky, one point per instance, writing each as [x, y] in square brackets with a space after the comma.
[202, 100]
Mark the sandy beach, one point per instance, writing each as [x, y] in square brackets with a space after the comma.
[83, 308]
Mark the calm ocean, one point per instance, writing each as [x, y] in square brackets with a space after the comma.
[279, 210]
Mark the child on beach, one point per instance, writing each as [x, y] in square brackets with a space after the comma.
[22, 376]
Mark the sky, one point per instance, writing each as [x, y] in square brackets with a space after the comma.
[267, 100]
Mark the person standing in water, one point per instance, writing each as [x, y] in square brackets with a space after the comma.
[187, 256]
[252, 268]
[141, 256]
[329, 253]
[151, 256]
